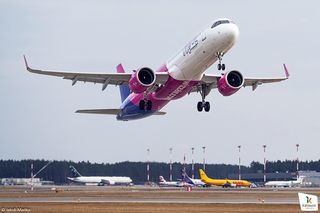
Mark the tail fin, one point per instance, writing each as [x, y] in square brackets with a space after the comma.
[203, 175]
[301, 179]
[74, 172]
[185, 177]
[162, 180]
[124, 90]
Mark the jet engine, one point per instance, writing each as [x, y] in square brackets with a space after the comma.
[141, 80]
[230, 83]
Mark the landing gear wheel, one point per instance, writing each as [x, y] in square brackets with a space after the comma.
[223, 66]
[204, 104]
[149, 105]
[219, 66]
[207, 106]
[200, 106]
[142, 104]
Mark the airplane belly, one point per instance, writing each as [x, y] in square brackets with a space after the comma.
[174, 89]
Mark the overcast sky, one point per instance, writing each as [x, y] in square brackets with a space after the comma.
[37, 112]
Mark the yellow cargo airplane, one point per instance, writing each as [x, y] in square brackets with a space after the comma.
[224, 182]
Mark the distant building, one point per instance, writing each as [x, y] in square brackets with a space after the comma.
[20, 181]
[312, 178]
[258, 177]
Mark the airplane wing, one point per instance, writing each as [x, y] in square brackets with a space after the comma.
[102, 78]
[211, 80]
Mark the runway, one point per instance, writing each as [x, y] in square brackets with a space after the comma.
[143, 199]
[141, 194]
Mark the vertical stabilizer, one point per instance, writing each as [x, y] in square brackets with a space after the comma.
[124, 90]
[203, 175]
[162, 180]
[74, 172]
[185, 177]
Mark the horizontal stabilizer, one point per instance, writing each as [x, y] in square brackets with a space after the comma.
[100, 111]
[109, 111]
[159, 113]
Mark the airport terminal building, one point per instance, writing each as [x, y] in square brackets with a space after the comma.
[312, 178]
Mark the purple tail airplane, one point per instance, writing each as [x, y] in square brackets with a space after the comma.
[145, 92]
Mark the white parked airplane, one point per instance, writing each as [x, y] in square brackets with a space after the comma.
[290, 183]
[163, 182]
[98, 180]
[145, 91]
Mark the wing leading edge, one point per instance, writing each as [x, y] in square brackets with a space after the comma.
[102, 78]
[212, 80]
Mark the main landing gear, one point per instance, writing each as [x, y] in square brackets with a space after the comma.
[145, 104]
[203, 104]
[220, 65]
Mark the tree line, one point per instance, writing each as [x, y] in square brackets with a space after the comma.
[58, 171]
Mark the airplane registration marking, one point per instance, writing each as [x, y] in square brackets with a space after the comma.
[178, 90]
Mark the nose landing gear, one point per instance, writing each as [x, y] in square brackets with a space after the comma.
[220, 65]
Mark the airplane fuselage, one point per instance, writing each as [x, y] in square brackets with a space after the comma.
[185, 70]
[107, 180]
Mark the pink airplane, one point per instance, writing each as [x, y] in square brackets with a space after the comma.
[145, 92]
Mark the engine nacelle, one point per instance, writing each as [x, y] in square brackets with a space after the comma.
[141, 80]
[230, 83]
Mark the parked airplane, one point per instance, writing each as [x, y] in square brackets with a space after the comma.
[145, 91]
[192, 181]
[291, 183]
[163, 182]
[98, 180]
[225, 182]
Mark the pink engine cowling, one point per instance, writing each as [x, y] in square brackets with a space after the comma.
[141, 80]
[230, 83]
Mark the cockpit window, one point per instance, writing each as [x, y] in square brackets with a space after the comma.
[220, 22]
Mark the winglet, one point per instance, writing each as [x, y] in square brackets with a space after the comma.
[120, 68]
[25, 62]
[286, 72]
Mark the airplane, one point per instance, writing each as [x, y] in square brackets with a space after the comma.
[144, 92]
[224, 182]
[98, 180]
[192, 181]
[163, 182]
[290, 183]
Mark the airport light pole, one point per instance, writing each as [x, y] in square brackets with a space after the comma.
[192, 167]
[148, 166]
[31, 184]
[265, 163]
[204, 160]
[170, 163]
[184, 162]
[239, 147]
[297, 145]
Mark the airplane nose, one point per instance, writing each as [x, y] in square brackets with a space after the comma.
[232, 33]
